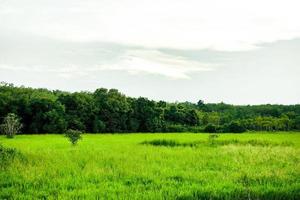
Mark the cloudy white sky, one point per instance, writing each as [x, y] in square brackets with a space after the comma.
[235, 51]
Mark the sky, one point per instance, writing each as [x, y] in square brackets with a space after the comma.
[233, 51]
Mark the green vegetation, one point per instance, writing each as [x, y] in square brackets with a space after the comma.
[152, 166]
[11, 125]
[109, 111]
[7, 156]
[73, 136]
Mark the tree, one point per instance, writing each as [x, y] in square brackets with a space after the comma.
[46, 111]
[11, 125]
[112, 109]
[79, 109]
[98, 126]
[148, 114]
[73, 136]
[297, 123]
[192, 118]
[200, 104]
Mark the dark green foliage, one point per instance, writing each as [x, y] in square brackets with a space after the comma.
[98, 126]
[234, 127]
[179, 128]
[175, 128]
[182, 115]
[163, 142]
[170, 143]
[148, 115]
[210, 128]
[297, 123]
[45, 111]
[73, 136]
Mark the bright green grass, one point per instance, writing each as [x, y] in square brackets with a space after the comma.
[120, 167]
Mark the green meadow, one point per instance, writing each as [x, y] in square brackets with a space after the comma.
[153, 166]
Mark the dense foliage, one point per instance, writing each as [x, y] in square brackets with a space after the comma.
[45, 111]
[73, 136]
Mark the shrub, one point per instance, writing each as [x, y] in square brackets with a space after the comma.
[195, 129]
[234, 127]
[162, 142]
[11, 125]
[212, 138]
[73, 135]
[210, 128]
[7, 155]
[175, 128]
[171, 143]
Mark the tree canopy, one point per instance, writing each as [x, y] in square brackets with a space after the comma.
[109, 111]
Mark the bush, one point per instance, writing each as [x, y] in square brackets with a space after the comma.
[162, 142]
[11, 125]
[212, 138]
[175, 128]
[73, 135]
[234, 127]
[7, 155]
[210, 128]
[195, 129]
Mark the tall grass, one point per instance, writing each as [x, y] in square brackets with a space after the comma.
[239, 166]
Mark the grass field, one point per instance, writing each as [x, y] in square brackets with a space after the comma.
[153, 166]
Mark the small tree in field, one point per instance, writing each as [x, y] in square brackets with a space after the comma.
[212, 138]
[11, 125]
[73, 136]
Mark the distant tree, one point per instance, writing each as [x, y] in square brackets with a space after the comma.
[112, 109]
[80, 110]
[73, 135]
[148, 115]
[200, 103]
[297, 123]
[45, 111]
[211, 118]
[11, 125]
[98, 126]
[191, 118]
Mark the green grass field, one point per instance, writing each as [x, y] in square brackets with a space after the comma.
[153, 166]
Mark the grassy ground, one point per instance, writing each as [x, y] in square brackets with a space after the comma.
[154, 166]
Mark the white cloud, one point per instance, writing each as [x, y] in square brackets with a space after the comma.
[132, 61]
[155, 62]
[68, 44]
[190, 24]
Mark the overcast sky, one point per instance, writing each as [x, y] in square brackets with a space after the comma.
[235, 51]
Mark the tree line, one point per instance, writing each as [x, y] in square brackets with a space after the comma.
[109, 111]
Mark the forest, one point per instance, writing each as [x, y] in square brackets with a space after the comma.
[110, 111]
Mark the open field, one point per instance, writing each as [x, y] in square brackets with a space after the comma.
[153, 166]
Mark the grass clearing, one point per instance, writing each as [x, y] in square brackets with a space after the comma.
[154, 166]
